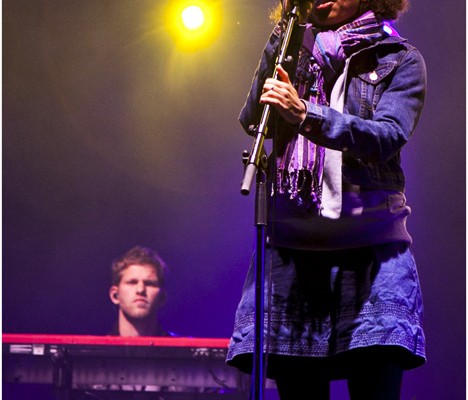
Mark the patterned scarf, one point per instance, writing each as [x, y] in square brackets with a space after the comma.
[321, 59]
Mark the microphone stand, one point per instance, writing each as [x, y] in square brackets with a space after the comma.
[256, 163]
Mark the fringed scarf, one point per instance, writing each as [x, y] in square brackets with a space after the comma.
[321, 59]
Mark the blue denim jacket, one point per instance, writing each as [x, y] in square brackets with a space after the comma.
[385, 91]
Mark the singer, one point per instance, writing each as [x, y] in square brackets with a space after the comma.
[343, 298]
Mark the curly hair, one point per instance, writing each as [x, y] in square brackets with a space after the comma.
[383, 9]
[139, 256]
[388, 9]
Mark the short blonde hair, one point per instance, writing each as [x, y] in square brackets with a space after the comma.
[139, 256]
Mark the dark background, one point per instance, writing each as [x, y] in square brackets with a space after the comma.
[112, 137]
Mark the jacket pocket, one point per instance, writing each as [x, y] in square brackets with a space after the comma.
[376, 76]
[372, 84]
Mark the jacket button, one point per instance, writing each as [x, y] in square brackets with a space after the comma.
[307, 128]
[345, 149]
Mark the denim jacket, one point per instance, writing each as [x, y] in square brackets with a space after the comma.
[385, 91]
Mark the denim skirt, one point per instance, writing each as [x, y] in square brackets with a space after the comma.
[330, 307]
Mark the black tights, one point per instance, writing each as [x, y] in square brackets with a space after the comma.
[372, 382]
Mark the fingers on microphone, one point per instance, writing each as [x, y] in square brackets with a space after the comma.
[282, 74]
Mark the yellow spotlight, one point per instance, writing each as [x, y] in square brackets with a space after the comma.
[193, 17]
[193, 24]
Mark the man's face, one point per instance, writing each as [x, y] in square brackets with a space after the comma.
[333, 13]
[138, 292]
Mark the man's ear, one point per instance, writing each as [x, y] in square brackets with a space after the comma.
[114, 294]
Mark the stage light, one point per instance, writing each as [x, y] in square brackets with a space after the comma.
[193, 24]
[193, 17]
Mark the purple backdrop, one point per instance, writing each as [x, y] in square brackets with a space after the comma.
[112, 138]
